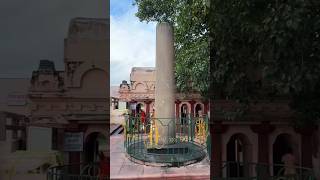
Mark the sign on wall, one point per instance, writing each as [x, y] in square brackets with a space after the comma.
[73, 141]
[122, 105]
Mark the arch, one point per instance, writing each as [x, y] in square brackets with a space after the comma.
[90, 72]
[141, 106]
[284, 143]
[239, 154]
[85, 67]
[184, 112]
[139, 87]
[295, 139]
[95, 142]
[198, 107]
[186, 105]
[93, 83]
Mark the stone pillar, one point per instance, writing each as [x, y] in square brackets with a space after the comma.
[216, 131]
[205, 110]
[192, 102]
[177, 109]
[263, 131]
[74, 157]
[147, 107]
[165, 84]
[306, 145]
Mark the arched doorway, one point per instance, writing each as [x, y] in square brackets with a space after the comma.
[284, 144]
[198, 110]
[95, 143]
[139, 107]
[184, 113]
[239, 153]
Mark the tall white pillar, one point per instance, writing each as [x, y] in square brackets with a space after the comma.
[165, 84]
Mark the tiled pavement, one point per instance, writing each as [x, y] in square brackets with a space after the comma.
[123, 169]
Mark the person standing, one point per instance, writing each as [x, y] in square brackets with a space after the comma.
[143, 119]
[289, 163]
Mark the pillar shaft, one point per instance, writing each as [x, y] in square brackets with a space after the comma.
[192, 103]
[216, 131]
[306, 145]
[263, 130]
[177, 109]
[165, 85]
[147, 107]
[205, 111]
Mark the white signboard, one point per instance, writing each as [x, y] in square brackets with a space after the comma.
[122, 105]
[133, 106]
[73, 141]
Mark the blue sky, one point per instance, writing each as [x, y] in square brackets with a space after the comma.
[132, 43]
[119, 7]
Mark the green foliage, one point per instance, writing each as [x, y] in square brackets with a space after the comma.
[267, 49]
[189, 19]
[259, 49]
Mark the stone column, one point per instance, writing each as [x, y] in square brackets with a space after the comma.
[206, 104]
[177, 109]
[165, 84]
[147, 107]
[216, 131]
[263, 130]
[306, 145]
[74, 157]
[192, 103]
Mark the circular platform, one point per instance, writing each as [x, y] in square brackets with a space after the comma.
[173, 155]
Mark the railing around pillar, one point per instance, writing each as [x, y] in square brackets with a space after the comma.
[187, 145]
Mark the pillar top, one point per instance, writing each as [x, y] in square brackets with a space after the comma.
[163, 24]
[148, 101]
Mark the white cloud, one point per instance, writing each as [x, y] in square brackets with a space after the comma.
[132, 44]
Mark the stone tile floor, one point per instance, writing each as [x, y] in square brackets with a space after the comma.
[122, 168]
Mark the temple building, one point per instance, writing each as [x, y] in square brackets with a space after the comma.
[70, 107]
[140, 93]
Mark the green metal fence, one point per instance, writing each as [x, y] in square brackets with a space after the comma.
[255, 171]
[75, 172]
[187, 145]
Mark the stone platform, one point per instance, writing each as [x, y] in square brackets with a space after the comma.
[124, 169]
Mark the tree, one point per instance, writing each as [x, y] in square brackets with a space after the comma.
[258, 49]
[266, 49]
[189, 19]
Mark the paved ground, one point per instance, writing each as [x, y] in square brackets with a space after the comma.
[122, 168]
[23, 177]
[117, 116]
[21, 165]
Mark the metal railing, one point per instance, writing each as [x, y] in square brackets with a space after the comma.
[245, 170]
[143, 137]
[82, 171]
